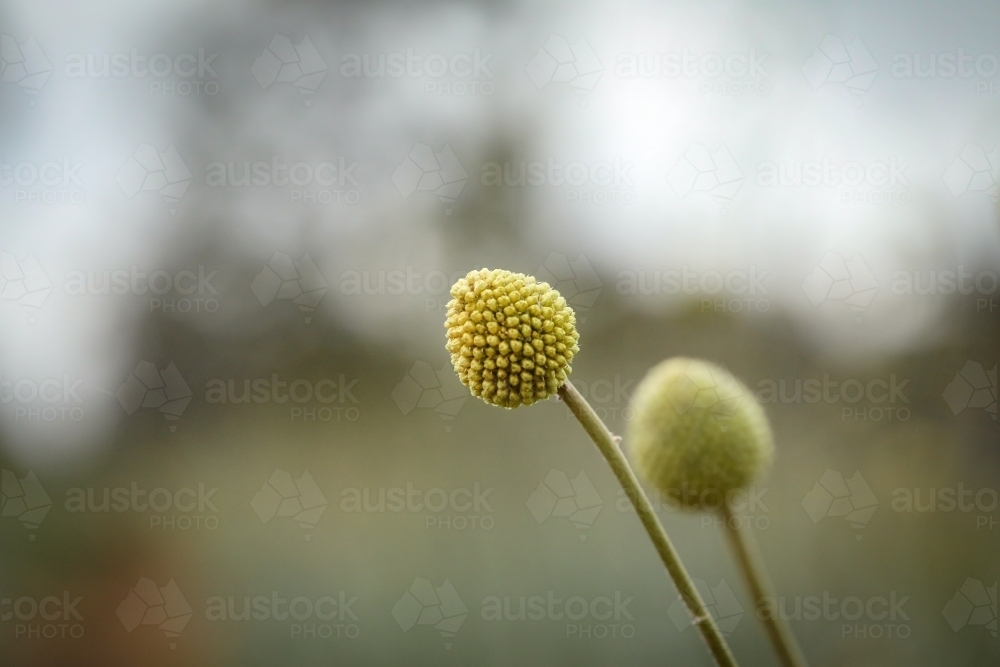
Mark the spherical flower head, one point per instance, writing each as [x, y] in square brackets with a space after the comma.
[697, 433]
[511, 338]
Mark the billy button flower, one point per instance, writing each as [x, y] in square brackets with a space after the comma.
[697, 435]
[511, 340]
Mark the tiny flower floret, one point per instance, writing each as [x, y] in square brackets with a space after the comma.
[511, 338]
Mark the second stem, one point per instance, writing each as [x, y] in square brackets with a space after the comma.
[752, 568]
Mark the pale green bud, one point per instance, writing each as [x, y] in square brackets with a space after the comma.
[697, 433]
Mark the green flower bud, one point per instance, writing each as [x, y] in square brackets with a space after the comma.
[511, 338]
[697, 433]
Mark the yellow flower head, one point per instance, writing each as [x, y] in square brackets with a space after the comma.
[697, 433]
[511, 338]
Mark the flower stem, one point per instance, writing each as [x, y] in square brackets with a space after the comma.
[607, 443]
[752, 568]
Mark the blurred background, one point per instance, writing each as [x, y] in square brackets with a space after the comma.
[229, 430]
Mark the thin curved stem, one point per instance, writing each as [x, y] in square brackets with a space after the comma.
[755, 575]
[607, 443]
